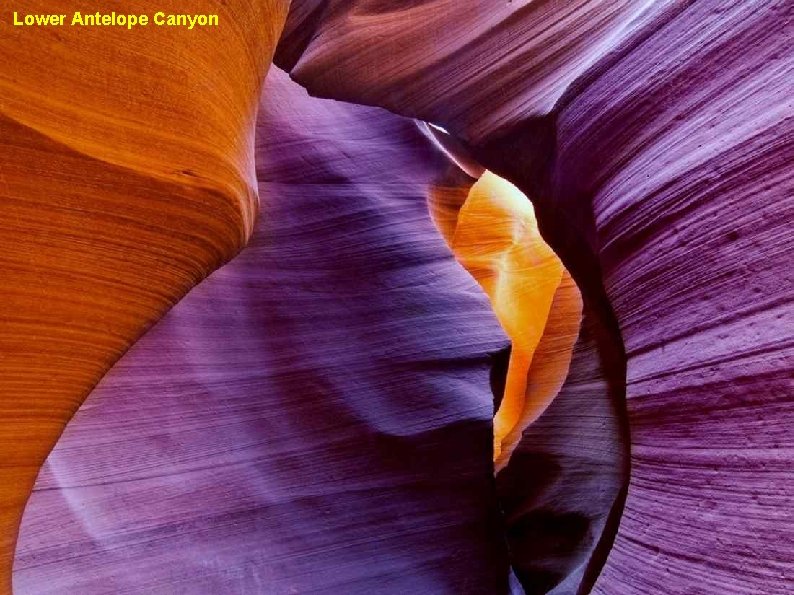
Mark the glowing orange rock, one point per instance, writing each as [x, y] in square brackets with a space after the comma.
[550, 361]
[496, 238]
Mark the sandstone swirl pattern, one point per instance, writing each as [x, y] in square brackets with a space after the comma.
[656, 140]
[125, 179]
[315, 416]
[495, 236]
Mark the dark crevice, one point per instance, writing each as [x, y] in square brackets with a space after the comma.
[527, 157]
[546, 550]
[500, 361]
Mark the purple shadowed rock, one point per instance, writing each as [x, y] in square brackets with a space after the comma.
[656, 140]
[315, 417]
[562, 492]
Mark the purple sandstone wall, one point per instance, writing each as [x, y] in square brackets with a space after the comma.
[315, 417]
[656, 140]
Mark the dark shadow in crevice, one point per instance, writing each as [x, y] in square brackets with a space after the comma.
[527, 156]
[500, 361]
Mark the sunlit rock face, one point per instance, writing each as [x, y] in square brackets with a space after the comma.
[315, 417]
[124, 180]
[494, 235]
[659, 161]
[561, 491]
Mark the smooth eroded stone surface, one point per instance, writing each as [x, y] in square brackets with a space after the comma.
[315, 417]
[551, 358]
[562, 490]
[693, 199]
[675, 164]
[494, 235]
[124, 180]
[662, 177]
[473, 67]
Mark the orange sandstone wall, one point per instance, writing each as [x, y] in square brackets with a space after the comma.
[127, 176]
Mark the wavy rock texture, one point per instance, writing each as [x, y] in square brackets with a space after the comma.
[125, 180]
[561, 490]
[693, 199]
[660, 167]
[494, 235]
[477, 66]
[315, 417]
[551, 359]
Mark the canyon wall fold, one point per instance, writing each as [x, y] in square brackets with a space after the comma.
[562, 489]
[315, 416]
[656, 142]
[495, 237]
[125, 180]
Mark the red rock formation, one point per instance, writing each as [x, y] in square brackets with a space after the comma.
[655, 139]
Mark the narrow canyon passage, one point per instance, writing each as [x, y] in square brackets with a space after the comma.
[656, 142]
[218, 430]
[471, 298]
